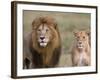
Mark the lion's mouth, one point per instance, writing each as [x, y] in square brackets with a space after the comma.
[43, 44]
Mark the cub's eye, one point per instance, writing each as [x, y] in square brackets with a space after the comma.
[83, 37]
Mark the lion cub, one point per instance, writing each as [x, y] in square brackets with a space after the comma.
[81, 49]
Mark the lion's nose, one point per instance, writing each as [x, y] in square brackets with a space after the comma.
[42, 38]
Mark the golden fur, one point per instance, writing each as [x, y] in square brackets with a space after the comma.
[81, 49]
[48, 55]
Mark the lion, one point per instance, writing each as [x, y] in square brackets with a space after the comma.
[81, 49]
[44, 44]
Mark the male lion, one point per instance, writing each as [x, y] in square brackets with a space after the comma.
[43, 44]
[81, 49]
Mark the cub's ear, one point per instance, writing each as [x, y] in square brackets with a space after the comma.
[88, 33]
[75, 33]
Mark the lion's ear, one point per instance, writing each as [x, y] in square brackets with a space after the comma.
[55, 26]
[35, 23]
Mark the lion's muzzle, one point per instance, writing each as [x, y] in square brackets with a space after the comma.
[43, 41]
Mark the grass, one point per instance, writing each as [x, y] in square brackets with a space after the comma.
[67, 24]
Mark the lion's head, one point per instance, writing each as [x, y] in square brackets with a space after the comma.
[82, 39]
[45, 30]
[44, 35]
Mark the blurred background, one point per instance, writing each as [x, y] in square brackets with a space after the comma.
[67, 23]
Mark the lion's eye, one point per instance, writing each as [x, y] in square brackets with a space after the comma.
[39, 30]
[46, 30]
[78, 37]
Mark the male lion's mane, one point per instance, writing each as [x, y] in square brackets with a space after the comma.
[47, 56]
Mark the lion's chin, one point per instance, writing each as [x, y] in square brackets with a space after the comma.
[43, 44]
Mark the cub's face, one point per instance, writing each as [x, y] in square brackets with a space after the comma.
[43, 35]
[81, 39]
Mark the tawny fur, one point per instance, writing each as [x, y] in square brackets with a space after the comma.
[81, 57]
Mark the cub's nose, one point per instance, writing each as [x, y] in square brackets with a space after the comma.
[80, 42]
[42, 38]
